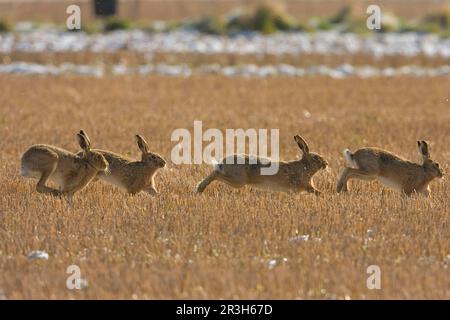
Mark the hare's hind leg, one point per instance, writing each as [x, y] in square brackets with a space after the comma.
[46, 173]
[351, 173]
[205, 182]
[342, 181]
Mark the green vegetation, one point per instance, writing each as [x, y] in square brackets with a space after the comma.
[114, 23]
[211, 25]
[342, 16]
[438, 22]
[268, 19]
[440, 19]
[271, 17]
[5, 26]
[265, 19]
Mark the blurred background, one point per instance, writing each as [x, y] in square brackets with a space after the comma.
[233, 37]
[145, 10]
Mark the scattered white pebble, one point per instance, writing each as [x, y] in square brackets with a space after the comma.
[249, 70]
[37, 255]
[272, 264]
[83, 283]
[302, 238]
[188, 41]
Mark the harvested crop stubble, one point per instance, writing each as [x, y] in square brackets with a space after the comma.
[135, 59]
[183, 245]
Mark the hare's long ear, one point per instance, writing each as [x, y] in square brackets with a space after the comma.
[423, 149]
[142, 144]
[302, 144]
[84, 141]
[83, 133]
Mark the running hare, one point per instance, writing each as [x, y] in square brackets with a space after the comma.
[391, 170]
[69, 171]
[291, 176]
[131, 175]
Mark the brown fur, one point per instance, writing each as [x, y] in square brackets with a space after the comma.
[71, 172]
[390, 169]
[131, 175]
[292, 176]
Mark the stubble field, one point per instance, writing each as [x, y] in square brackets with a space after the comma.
[224, 243]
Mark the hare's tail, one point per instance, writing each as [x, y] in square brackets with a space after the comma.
[348, 155]
[27, 173]
[24, 172]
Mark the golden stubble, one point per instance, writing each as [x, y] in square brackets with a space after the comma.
[219, 244]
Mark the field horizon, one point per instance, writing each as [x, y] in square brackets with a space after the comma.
[144, 10]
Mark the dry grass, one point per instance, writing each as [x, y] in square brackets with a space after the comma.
[130, 58]
[218, 244]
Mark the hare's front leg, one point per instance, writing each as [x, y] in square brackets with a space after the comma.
[205, 182]
[310, 189]
[74, 186]
[425, 191]
[151, 191]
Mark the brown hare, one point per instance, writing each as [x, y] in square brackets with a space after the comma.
[292, 176]
[131, 175]
[391, 170]
[69, 171]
